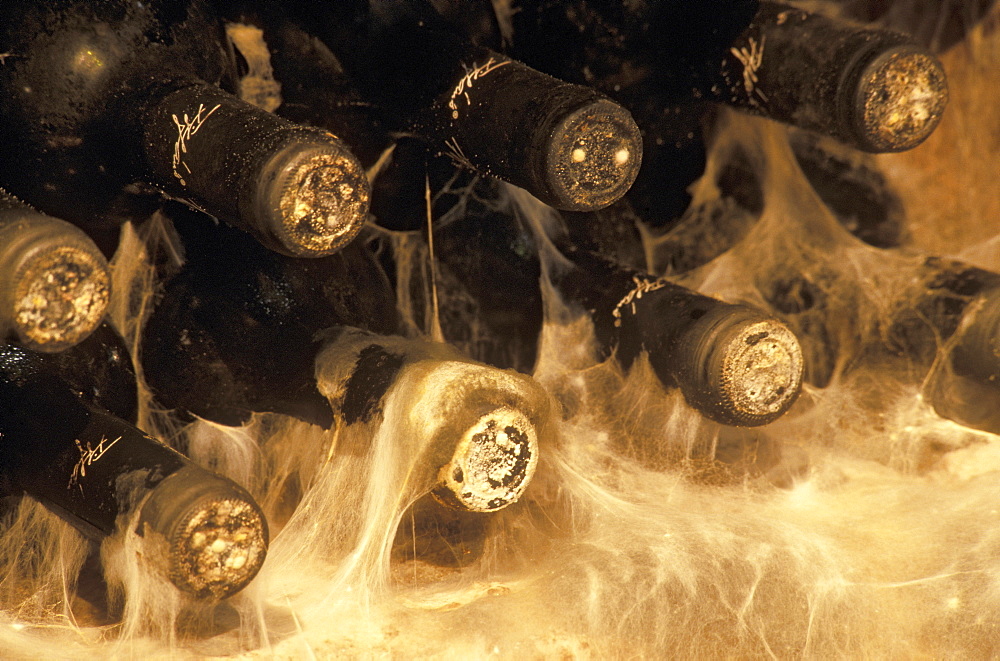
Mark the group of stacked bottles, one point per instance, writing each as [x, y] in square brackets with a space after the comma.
[271, 117]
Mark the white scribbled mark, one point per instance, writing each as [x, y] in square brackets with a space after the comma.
[185, 129]
[466, 82]
[88, 456]
[751, 60]
[641, 287]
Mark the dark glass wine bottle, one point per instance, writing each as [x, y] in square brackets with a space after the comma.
[568, 145]
[873, 89]
[99, 96]
[54, 282]
[734, 364]
[200, 530]
[99, 370]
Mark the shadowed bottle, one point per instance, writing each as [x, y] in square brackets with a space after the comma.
[236, 329]
[734, 363]
[648, 56]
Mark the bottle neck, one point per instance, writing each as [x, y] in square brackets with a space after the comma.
[873, 89]
[100, 370]
[54, 282]
[70, 95]
[102, 474]
[297, 190]
[734, 364]
[471, 430]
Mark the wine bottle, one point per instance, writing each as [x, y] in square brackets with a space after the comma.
[733, 363]
[873, 89]
[648, 56]
[235, 331]
[54, 282]
[654, 58]
[266, 333]
[568, 145]
[474, 428]
[201, 531]
[97, 97]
